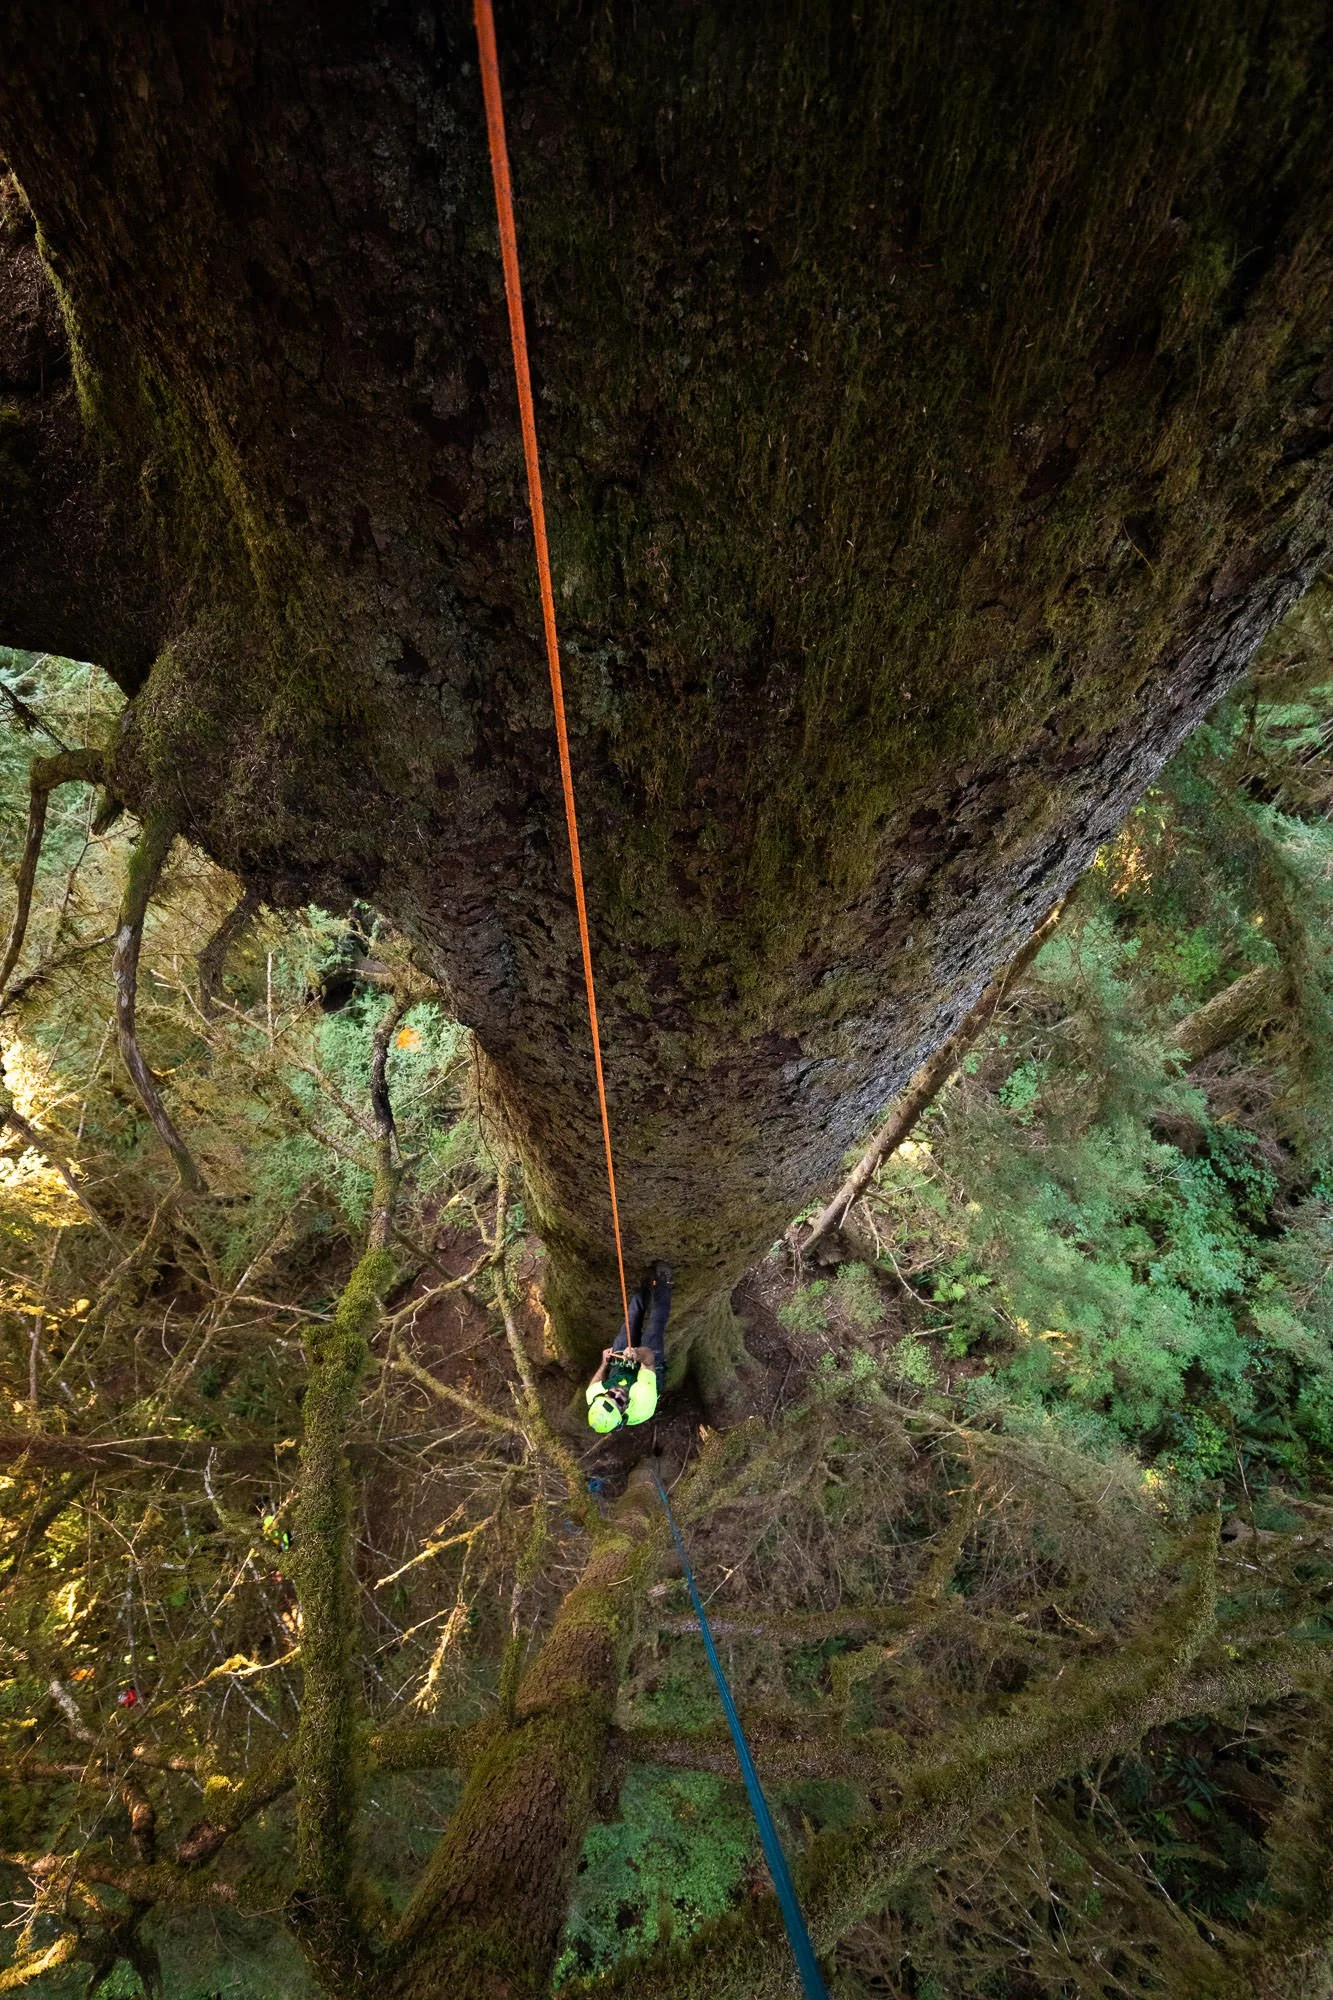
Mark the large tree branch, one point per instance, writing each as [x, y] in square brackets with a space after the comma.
[1237, 1010]
[490, 1905]
[320, 1909]
[1102, 1711]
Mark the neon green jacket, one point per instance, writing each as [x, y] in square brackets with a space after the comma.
[642, 1395]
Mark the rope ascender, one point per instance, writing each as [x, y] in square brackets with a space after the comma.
[811, 1979]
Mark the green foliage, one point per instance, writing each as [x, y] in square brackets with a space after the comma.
[677, 1854]
[1133, 1253]
[856, 1297]
[806, 1312]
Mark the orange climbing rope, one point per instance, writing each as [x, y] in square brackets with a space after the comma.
[504, 212]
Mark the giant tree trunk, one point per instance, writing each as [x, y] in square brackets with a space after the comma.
[935, 413]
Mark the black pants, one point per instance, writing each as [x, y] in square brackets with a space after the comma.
[649, 1308]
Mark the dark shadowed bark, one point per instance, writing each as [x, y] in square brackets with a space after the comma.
[935, 409]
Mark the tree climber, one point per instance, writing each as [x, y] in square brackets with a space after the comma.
[626, 1387]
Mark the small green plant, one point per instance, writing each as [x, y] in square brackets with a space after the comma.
[806, 1312]
[909, 1361]
[856, 1296]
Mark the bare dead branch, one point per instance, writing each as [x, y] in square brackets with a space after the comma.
[559, 1454]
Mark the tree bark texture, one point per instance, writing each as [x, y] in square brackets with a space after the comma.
[935, 410]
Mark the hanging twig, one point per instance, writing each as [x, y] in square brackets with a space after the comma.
[69, 767]
[212, 960]
[388, 1161]
[146, 861]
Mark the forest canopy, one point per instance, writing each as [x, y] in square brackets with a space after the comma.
[1020, 1565]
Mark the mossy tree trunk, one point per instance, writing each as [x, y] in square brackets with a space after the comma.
[487, 1914]
[935, 404]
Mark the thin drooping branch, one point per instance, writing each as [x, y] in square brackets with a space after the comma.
[212, 960]
[46, 1514]
[150, 852]
[40, 974]
[388, 1163]
[34, 1141]
[66, 768]
[26, 716]
[924, 1087]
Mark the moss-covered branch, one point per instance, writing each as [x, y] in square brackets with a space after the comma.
[212, 960]
[320, 1908]
[1098, 1712]
[1237, 1010]
[490, 1905]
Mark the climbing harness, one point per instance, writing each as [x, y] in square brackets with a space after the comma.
[812, 1980]
[803, 1952]
[504, 211]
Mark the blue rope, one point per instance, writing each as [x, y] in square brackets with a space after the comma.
[812, 1980]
